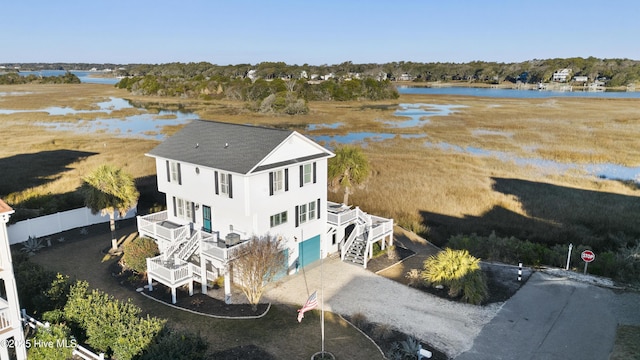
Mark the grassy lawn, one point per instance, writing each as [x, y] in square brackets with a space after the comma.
[627, 345]
[278, 332]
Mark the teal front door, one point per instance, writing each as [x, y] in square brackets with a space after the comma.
[309, 250]
[206, 218]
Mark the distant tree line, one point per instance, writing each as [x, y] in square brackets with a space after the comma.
[14, 79]
[618, 72]
[277, 95]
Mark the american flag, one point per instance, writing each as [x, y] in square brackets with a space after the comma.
[311, 303]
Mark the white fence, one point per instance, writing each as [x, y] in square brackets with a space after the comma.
[58, 222]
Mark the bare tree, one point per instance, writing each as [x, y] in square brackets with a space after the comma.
[257, 264]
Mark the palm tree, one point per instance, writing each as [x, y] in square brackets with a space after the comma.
[347, 169]
[109, 189]
[458, 270]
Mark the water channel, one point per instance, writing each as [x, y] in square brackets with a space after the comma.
[149, 126]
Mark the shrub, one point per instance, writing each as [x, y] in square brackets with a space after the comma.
[173, 345]
[111, 326]
[414, 278]
[359, 320]
[459, 271]
[59, 336]
[136, 253]
[32, 245]
[382, 331]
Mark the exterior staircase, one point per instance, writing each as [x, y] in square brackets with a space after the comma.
[357, 251]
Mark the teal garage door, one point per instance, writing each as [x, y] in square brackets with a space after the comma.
[309, 250]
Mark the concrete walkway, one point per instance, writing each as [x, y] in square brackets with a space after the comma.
[350, 289]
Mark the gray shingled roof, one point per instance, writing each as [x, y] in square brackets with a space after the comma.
[203, 143]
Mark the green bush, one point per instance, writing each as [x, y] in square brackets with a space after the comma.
[173, 345]
[59, 336]
[460, 272]
[136, 253]
[32, 281]
[111, 326]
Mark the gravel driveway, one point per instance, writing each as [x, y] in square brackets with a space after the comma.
[348, 289]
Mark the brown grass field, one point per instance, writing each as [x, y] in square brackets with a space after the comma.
[448, 191]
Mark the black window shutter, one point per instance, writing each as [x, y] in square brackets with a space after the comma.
[215, 175]
[314, 172]
[297, 216]
[230, 186]
[179, 175]
[286, 179]
[318, 210]
[271, 183]
[193, 212]
[301, 175]
[168, 172]
[175, 211]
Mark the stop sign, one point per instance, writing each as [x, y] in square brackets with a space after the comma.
[588, 256]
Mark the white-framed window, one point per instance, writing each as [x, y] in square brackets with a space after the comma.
[278, 219]
[302, 213]
[307, 173]
[311, 208]
[183, 209]
[307, 212]
[224, 183]
[278, 180]
[175, 171]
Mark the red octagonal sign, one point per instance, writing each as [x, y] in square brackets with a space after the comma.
[588, 256]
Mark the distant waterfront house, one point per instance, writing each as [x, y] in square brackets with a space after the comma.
[562, 75]
[581, 78]
[405, 77]
[10, 322]
[225, 183]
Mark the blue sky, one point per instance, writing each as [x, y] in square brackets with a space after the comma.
[316, 32]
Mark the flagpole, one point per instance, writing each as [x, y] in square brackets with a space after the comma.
[322, 299]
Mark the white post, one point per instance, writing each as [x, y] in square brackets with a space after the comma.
[569, 256]
[227, 285]
[519, 271]
[173, 295]
[203, 275]
[149, 279]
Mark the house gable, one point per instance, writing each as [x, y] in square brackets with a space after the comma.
[297, 148]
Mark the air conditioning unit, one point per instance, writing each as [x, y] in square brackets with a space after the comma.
[232, 239]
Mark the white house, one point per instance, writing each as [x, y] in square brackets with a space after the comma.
[11, 332]
[561, 75]
[225, 183]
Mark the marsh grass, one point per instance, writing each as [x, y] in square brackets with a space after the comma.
[435, 191]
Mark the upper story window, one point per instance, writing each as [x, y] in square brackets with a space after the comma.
[174, 174]
[278, 181]
[223, 184]
[307, 174]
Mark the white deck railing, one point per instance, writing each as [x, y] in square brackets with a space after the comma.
[223, 253]
[341, 217]
[166, 273]
[151, 225]
[381, 227]
[5, 319]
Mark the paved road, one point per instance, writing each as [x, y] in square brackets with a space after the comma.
[555, 318]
